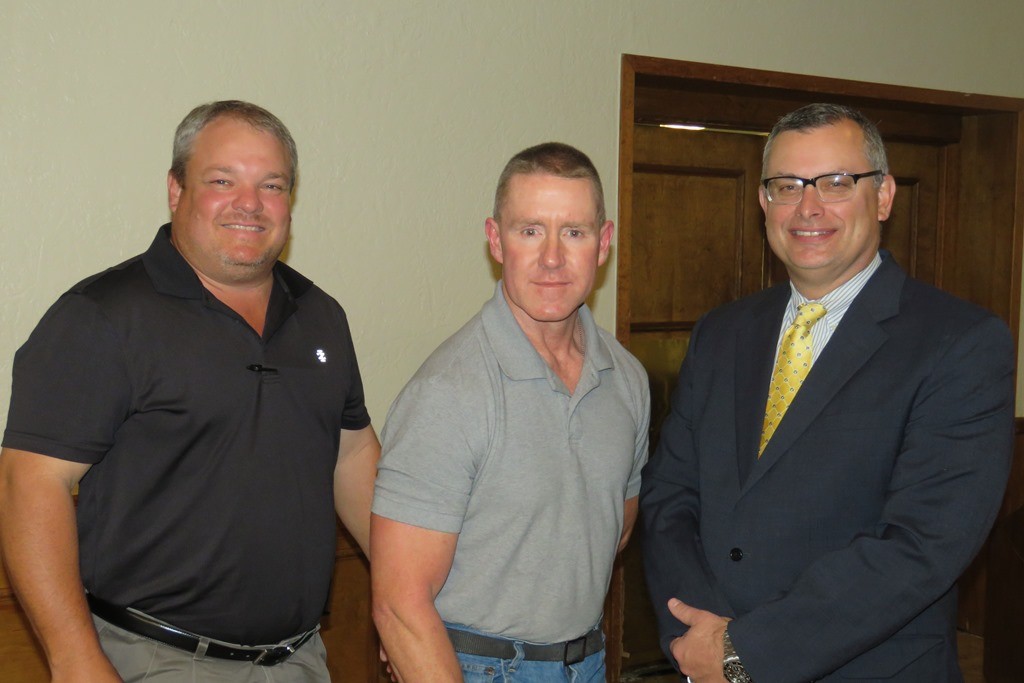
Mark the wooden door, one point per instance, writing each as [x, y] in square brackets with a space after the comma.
[697, 242]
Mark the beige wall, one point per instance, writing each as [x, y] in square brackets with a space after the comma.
[404, 112]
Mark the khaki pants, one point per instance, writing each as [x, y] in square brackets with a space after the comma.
[140, 659]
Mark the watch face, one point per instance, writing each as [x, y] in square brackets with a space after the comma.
[735, 673]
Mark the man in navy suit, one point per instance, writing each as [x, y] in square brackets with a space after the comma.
[820, 537]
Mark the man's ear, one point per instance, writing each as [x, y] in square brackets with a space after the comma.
[607, 232]
[173, 192]
[886, 192]
[494, 239]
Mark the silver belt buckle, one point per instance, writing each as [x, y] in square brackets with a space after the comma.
[275, 654]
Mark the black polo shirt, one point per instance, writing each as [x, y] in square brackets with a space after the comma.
[209, 503]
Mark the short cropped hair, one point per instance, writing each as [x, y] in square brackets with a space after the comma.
[256, 116]
[553, 158]
[821, 114]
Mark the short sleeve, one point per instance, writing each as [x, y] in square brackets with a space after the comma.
[70, 389]
[642, 400]
[432, 447]
[354, 416]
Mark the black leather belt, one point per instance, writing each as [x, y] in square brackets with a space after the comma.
[569, 652]
[140, 624]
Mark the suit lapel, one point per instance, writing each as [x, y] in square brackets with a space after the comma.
[854, 342]
[755, 360]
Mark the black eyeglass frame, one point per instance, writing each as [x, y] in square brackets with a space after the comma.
[813, 182]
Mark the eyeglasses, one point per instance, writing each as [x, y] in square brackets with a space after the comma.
[837, 187]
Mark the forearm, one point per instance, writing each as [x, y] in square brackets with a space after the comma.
[354, 475]
[416, 642]
[631, 509]
[408, 567]
[675, 565]
[809, 631]
[39, 542]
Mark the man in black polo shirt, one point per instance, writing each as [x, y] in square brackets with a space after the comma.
[206, 400]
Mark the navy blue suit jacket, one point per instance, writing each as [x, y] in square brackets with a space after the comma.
[837, 551]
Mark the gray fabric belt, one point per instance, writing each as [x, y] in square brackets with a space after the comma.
[569, 652]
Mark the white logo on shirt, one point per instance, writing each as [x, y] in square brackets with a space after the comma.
[321, 356]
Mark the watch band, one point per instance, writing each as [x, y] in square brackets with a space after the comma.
[732, 667]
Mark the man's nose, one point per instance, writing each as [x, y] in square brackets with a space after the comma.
[553, 255]
[810, 203]
[248, 200]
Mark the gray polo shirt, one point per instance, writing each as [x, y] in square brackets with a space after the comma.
[487, 442]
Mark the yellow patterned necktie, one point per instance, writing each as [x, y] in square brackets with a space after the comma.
[791, 368]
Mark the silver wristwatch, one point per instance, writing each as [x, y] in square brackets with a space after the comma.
[732, 668]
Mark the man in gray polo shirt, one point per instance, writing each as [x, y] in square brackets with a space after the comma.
[511, 461]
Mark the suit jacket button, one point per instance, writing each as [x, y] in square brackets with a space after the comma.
[735, 554]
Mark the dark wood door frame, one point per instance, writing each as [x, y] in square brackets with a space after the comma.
[980, 248]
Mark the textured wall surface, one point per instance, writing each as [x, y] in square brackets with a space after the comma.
[404, 113]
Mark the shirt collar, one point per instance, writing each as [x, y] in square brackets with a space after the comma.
[839, 299]
[516, 355]
[171, 274]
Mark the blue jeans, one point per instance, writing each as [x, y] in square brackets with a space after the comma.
[477, 669]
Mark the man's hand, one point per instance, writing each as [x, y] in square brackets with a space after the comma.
[699, 653]
[391, 671]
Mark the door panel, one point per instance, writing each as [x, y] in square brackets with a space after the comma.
[913, 230]
[697, 243]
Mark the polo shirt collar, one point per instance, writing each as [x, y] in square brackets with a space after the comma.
[171, 274]
[516, 355]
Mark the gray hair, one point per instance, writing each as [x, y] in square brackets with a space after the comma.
[256, 116]
[821, 114]
[554, 158]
